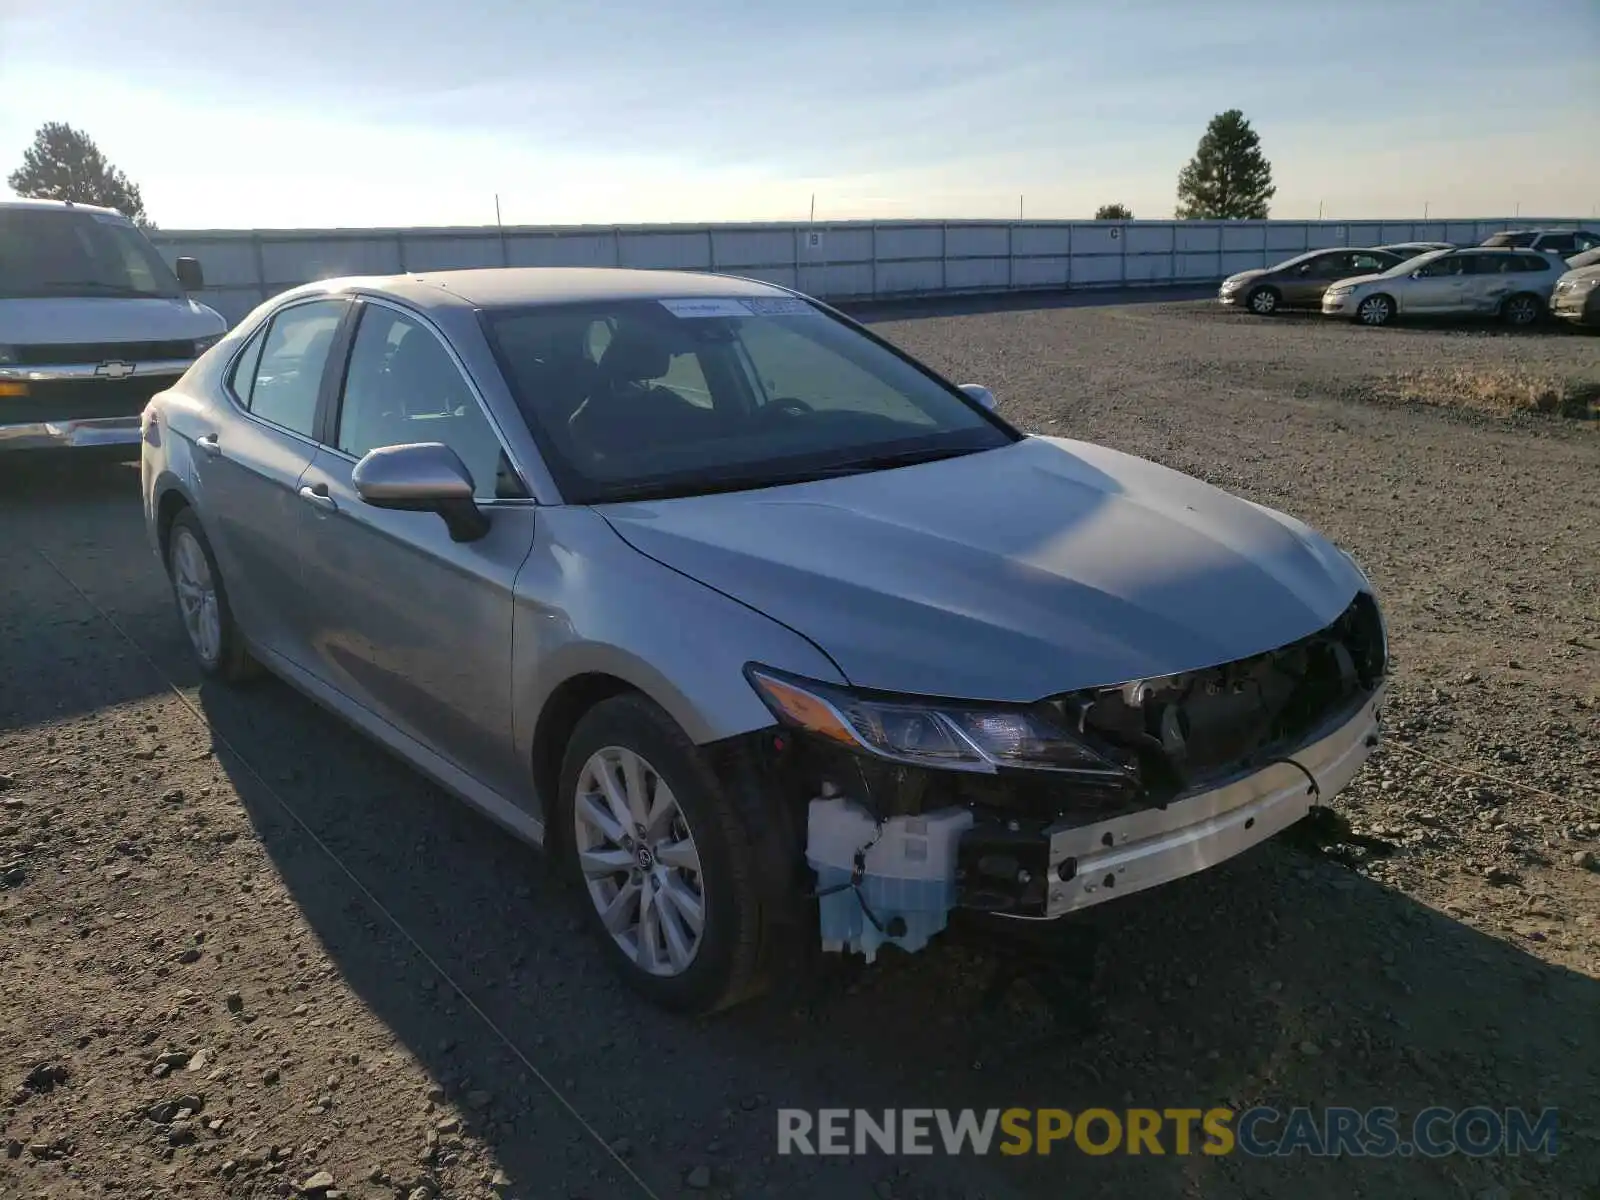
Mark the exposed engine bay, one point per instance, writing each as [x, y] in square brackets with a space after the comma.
[1175, 740]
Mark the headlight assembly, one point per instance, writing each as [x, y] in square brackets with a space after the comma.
[952, 735]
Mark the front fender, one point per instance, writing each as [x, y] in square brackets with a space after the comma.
[588, 603]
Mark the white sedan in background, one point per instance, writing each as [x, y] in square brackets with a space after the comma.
[1514, 285]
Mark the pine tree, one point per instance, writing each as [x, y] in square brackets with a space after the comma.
[64, 164]
[1228, 178]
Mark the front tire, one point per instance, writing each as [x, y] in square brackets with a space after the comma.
[1375, 311]
[660, 857]
[214, 637]
[1521, 310]
[1263, 301]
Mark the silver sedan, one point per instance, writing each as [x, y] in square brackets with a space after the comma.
[775, 637]
[1513, 285]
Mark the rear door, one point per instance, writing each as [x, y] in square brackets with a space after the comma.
[249, 463]
[412, 626]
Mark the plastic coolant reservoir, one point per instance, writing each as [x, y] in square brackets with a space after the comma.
[910, 874]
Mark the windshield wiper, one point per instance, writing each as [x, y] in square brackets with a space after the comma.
[902, 458]
[709, 484]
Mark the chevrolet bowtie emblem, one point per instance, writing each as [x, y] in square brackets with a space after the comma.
[115, 369]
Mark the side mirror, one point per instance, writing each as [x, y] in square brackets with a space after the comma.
[422, 477]
[981, 394]
[189, 274]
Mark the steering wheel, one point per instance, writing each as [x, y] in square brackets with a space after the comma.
[792, 405]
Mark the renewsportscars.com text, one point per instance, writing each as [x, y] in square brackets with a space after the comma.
[1259, 1132]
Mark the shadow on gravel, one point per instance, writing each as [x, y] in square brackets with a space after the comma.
[58, 503]
[1279, 979]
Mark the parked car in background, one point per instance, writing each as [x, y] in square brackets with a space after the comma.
[92, 324]
[1411, 249]
[1576, 297]
[1514, 285]
[1300, 281]
[724, 599]
[1587, 259]
[1562, 242]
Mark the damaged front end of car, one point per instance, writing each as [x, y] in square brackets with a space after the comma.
[915, 806]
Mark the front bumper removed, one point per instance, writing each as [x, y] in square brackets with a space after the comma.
[1091, 864]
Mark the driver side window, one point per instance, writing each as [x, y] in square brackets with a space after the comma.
[402, 387]
[1441, 267]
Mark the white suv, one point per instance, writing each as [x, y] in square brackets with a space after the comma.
[92, 324]
[1561, 242]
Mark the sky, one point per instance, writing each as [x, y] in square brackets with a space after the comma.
[328, 113]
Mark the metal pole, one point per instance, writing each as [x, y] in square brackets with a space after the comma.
[1424, 210]
[1019, 208]
[505, 255]
[1319, 210]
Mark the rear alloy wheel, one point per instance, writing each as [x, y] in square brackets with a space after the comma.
[663, 859]
[1521, 310]
[1375, 310]
[218, 645]
[1263, 301]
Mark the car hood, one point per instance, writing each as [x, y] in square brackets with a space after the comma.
[1247, 276]
[66, 319]
[1013, 574]
[1354, 281]
[1581, 274]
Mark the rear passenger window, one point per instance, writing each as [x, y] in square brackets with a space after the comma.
[1537, 262]
[288, 371]
[243, 375]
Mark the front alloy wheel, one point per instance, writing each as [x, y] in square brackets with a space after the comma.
[659, 846]
[639, 861]
[1263, 302]
[1375, 310]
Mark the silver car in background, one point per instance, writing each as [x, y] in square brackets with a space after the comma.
[1514, 285]
[715, 594]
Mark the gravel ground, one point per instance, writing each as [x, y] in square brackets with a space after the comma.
[247, 954]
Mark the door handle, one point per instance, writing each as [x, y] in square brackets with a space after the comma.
[209, 445]
[318, 494]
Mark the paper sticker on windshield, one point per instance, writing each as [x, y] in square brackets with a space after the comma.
[111, 218]
[705, 308]
[780, 306]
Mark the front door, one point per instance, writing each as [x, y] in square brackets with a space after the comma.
[411, 625]
[248, 469]
[1437, 286]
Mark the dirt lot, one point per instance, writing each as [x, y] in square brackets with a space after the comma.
[242, 948]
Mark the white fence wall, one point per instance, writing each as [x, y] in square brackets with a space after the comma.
[847, 260]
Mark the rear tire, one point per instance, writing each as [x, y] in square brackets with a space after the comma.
[1263, 301]
[1375, 311]
[1521, 310]
[628, 872]
[214, 637]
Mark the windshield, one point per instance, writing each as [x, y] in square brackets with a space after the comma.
[63, 252]
[1411, 264]
[646, 399]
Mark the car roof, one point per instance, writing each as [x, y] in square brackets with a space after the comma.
[61, 204]
[517, 287]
